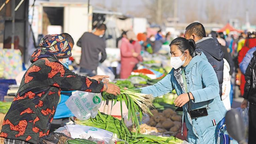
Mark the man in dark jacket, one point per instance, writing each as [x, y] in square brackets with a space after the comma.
[209, 46]
[250, 95]
[92, 45]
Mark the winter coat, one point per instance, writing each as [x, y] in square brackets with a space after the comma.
[158, 43]
[226, 86]
[128, 61]
[228, 57]
[212, 49]
[246, 60]
[250, 77]
[202, 82]
[249, 43]
[137, 49]
[34, 106]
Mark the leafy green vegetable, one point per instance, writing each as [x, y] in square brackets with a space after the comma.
[80, 141]
[149, 139]
[108, 123]
[159, 69]
[4, 107]
[149, 62]
[124, 84]
[139, 75]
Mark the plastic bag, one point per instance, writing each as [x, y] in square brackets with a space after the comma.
[104, 70]
[244, 115]
[84, 105]
[87, 132]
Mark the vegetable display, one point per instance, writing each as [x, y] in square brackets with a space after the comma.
[168, 120]
[151, 139]
[136, 102]
[80, 141]
[108, 123]
[4, 107]
[116, 126]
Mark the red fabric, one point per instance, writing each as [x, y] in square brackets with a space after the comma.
[185, 133]
[127, 60]
[230, 28]
[249, 43]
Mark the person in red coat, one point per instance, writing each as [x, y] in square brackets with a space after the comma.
[250, 42]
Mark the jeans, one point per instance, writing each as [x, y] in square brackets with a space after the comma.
[87, 72]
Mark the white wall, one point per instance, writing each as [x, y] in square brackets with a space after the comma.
[75, 23]
[139, 25]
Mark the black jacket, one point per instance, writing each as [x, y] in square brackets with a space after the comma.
[212, 49]
[250, 77]
[228, 57]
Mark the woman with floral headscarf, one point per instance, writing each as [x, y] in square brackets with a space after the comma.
[32, 109]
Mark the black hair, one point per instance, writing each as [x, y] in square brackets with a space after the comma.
[214, 34]
[251, 35]
[68, 37]
[197, 29]
[101, 27]
[221, 35]
[184, 44]
[124, 33]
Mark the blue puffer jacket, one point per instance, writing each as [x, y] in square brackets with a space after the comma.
[202, 82]
[246, 60]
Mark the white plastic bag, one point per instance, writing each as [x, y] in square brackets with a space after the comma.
[85, 132]
[104, 70]
[84, 105]
[244, 115]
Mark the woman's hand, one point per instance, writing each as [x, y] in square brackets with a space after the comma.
[111, 88]
[134, 54]
[182, 99]
[244, 104]
[100, 78]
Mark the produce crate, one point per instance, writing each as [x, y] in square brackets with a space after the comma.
[4, 86]
[3, 90]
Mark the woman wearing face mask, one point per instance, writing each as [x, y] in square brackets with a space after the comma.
[197, 87]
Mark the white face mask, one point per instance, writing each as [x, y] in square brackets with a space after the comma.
[176, 62]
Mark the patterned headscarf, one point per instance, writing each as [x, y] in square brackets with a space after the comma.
[57, 45]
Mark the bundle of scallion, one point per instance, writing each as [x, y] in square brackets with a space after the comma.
[136, 102]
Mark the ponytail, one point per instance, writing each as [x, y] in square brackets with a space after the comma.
[184, 44]
[193, 47]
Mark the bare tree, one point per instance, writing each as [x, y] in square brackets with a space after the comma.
[190, 13]
[213, 14]
[159, 10]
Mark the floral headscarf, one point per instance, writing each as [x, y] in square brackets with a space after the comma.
[57, 45]
[53, 45]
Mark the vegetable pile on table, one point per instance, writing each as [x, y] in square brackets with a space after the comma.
[136, 102]
[168, 120]
[4, 107]
[118, 127]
